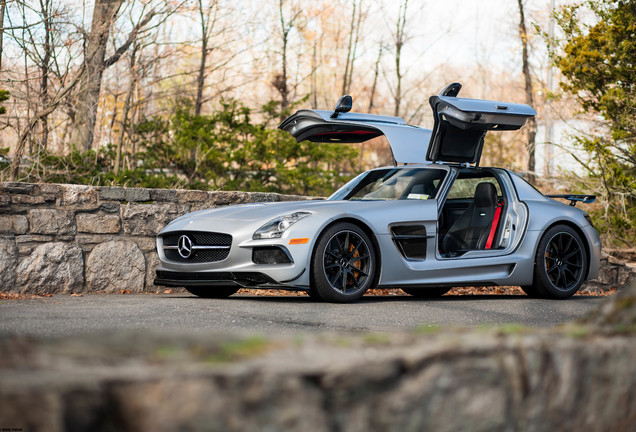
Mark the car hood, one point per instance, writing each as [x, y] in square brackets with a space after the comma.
[243, 214]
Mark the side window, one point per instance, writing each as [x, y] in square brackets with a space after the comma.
[464, 188]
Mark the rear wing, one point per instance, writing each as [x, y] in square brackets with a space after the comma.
[576, 198]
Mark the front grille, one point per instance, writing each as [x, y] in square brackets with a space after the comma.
[206, 246]
[198, 238]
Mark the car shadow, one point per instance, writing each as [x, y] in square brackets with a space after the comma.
[379, 298]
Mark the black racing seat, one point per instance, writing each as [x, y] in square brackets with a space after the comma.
[472, 229]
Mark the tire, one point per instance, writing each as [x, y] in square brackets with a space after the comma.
[530, 291]
[560, 263]
[427, 292]
[343, 265]
[217, 292]
[313, 294]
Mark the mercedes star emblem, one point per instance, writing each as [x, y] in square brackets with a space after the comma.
[184, 246]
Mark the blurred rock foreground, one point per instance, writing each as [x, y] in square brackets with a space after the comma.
[580, 377]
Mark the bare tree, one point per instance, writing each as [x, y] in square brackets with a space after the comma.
[95, 62]
[3, 7]
[532, 123]
[281, 80]
[352, 46]
[399, 39]
[376, 73]
[127, 104]
[39, 35]
[209, 17]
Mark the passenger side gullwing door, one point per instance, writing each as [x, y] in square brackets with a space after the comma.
[461, 125]
[408, 143]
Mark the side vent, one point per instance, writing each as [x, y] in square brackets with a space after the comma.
[410, 240]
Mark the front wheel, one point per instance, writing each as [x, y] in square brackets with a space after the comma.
[560, 263]
[217, 292]
[344, 264]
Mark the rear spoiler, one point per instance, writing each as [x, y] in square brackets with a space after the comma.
[575, 198]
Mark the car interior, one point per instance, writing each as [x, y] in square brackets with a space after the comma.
[471, 215]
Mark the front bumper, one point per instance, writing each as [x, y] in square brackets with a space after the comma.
[238, 279]
[239, 268]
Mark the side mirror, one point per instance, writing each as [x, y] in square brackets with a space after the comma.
[344, 105]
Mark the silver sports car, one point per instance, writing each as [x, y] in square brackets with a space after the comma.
[434, 220]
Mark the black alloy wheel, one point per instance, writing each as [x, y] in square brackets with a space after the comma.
[560, 263]
[343, 266]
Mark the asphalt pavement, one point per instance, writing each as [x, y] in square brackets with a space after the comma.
[64, 315]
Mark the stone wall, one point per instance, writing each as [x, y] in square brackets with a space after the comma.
[70, 238]
[58, 238]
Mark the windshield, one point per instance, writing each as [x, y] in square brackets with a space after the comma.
[392, 184]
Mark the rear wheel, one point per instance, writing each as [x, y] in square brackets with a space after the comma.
[343, 265]
[213, 291]
[560, 264]
[427, 292]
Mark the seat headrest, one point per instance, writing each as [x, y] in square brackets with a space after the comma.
[485, 195]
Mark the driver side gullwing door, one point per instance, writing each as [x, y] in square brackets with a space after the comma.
[408, 143]
[461, 125]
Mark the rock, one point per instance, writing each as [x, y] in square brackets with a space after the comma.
[51, 268]
[77, 195]
[18, 188]
[98, 223]
[17, 224]
[617, 313]
[136, 194]
[115, 266]
[146, 219]
[8, 263]
[187, 381]
[27, 199]
[191, 196]
[109, 207]
[52, 221]
[114, 193]
[165, 195]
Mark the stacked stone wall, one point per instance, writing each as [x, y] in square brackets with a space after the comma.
[57, 238]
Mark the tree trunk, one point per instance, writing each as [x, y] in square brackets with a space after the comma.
[346, 84]
[207, 27]
[44, 69]
[3, 6]
[95, 52]
[532, 122]
[280, 82]
[376, 74]
[124, 115]
[399, 43]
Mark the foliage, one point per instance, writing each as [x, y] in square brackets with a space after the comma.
[228, 150]
[598, 61]
[223, 150]
[4, 95]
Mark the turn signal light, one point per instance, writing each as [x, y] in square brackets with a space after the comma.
[298, 241]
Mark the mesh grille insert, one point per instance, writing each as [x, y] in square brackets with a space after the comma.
[198, 238]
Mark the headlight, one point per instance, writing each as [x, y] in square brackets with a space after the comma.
[275, 228]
